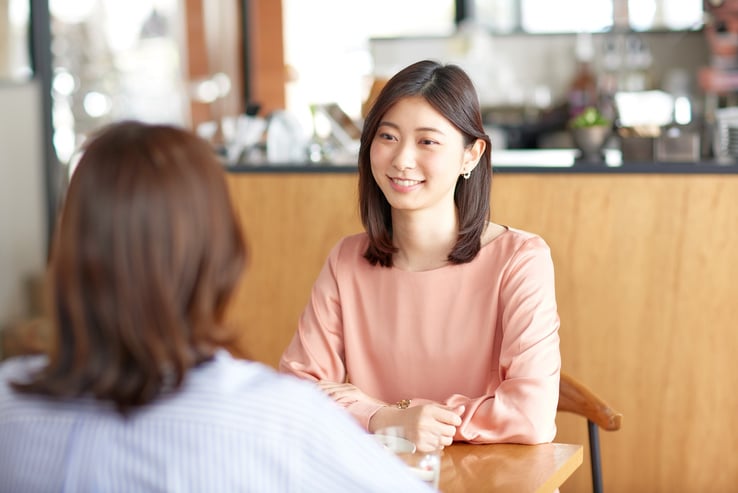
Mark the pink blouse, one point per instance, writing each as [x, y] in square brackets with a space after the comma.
[482, 334]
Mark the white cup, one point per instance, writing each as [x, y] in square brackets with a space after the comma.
[425, 465]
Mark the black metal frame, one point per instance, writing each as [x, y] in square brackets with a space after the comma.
[246, 53]
[41, 64]
[594, 456]
[42, 67]
[464, 9]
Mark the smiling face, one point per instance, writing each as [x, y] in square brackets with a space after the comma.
[417, 156]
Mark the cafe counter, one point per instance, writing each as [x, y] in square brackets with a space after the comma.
[646, 263]
[529, 161]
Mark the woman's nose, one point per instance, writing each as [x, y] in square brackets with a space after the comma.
[404, 158]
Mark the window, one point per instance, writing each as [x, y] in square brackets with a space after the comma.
[15, 63]
[111, 61]
[329, 60]
[546, 16]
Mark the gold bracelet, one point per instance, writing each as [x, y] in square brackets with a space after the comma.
[403, 404]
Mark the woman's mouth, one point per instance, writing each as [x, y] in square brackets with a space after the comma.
[404, 182]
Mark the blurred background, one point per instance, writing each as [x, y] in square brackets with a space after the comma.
[284, 85]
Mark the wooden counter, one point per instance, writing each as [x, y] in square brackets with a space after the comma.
[507, 468]
[646, 268]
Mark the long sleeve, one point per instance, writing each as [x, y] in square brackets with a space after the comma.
[482, 334]
[228, 428]
[522, 408]
[317, 351]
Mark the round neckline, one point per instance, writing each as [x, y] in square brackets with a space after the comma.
[448, 265]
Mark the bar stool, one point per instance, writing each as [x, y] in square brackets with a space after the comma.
[577, 398]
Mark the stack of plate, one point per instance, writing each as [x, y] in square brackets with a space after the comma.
[725, 119]
[733, 141]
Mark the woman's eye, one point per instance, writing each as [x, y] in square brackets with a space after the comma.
[428, 142]
[386, 136]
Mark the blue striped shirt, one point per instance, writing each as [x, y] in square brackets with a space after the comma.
[234, 426]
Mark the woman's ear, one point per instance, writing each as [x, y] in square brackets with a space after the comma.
[472, 155]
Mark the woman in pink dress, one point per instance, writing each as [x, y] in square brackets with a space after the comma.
[434, 318]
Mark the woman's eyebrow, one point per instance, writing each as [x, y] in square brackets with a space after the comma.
[429, 129]
[418, 129]
[387, 124]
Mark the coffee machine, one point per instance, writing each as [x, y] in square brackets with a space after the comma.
[719, 80]
[721, 30]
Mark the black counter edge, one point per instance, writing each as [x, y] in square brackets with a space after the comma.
[707, 168]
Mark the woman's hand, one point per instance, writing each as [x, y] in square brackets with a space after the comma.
[346, 393]
[429, 426]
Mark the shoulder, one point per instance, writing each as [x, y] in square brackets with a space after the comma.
[228, 375]
[525, 238]
[515, 253]
[20, 368]
[351, 246]
[265, 403]
[348, 252]
[14, 404]
[253, 385]
[517, 241]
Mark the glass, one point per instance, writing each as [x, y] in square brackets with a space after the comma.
[113, 61]
[15, 60]
[545, 16]
[672, 15]
[330, 61]
[425, 465]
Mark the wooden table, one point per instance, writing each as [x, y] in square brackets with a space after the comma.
[502, 468]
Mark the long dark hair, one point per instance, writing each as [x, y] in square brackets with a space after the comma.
[145, 256]
[448, 89]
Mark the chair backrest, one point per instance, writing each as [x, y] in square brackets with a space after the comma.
[577, 398]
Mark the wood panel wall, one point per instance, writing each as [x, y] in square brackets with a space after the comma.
[646, 270]
[198, 65]
[290, 222]
[214, 44]
[267, 74]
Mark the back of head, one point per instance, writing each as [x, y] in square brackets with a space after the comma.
[145, 257]
[450, 91]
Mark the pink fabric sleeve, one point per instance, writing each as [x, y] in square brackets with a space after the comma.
[318, 355]
[522, 409]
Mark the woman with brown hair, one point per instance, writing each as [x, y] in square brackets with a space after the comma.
[135, 394]
[435, 319]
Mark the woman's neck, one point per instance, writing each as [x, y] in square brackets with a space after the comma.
[423, 239]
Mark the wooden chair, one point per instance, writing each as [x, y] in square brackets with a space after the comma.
[577, 398]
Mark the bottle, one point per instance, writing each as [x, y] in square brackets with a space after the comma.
[608, 78]
[582, 91]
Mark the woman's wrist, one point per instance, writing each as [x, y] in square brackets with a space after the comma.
[384, 417]
[403, 404]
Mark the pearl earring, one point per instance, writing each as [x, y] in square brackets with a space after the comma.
[466, 175]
